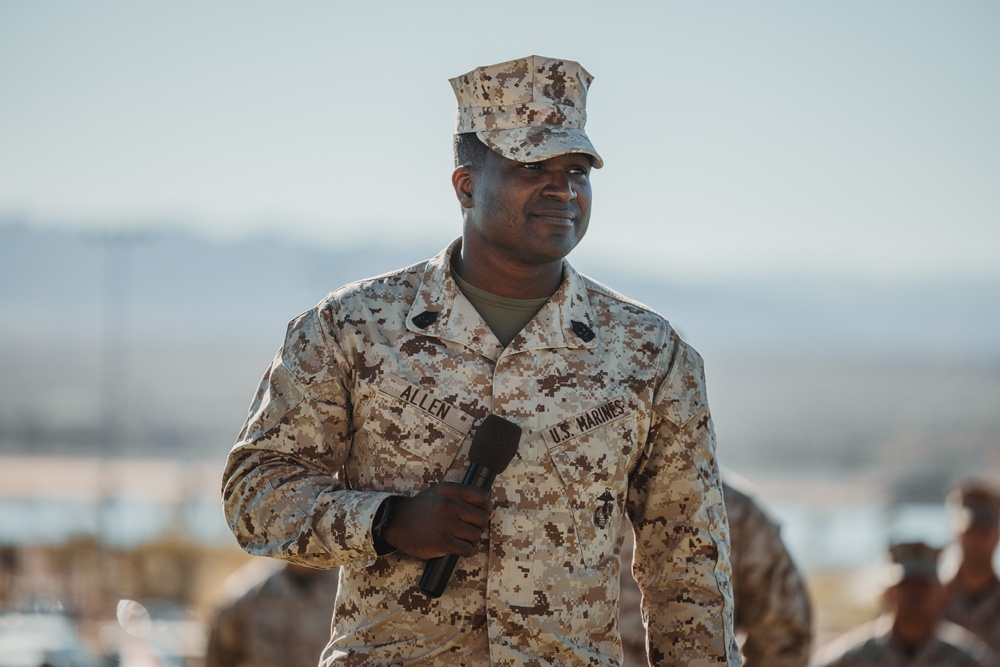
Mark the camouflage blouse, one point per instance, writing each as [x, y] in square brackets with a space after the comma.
[378, 391]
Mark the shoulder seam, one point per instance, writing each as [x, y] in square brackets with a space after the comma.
[596, 286]
[418, 268]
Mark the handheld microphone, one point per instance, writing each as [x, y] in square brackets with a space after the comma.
[493, 447]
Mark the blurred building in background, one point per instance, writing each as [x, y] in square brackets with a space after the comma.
[135, 551]
[123, 557]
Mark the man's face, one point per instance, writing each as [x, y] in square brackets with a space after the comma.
[979, 542]
[916, 602]
[529, 213]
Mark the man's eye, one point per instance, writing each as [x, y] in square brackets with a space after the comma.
[532, 165]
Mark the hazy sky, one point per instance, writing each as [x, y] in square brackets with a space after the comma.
[740, 138]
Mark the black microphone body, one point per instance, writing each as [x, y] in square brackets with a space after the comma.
[438, 570]
[493, 447]
[479, 476]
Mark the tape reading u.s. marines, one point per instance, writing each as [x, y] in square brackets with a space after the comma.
[585, 422]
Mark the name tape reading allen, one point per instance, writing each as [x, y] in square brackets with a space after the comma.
[425, 402]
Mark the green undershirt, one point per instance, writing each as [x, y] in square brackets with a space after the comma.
[505, 317]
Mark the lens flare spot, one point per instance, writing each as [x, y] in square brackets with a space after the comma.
[134, 618]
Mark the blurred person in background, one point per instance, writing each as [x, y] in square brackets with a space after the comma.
[912, 632]
[974, 592]
[773, 611]
[273, 617]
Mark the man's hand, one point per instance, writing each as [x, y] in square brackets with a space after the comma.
[445, 519]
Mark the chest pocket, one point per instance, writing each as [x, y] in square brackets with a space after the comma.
[591, 453]
[412, 433]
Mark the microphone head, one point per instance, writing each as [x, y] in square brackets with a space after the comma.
[495, 443]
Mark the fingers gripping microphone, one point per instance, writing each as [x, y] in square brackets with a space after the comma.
[493, 447]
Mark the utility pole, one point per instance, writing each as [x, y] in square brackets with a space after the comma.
[114, 408]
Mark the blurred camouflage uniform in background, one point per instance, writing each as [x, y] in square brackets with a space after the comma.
[976, 606]
[773, 611]
[911, 633]
[273, 617]
[871, 645]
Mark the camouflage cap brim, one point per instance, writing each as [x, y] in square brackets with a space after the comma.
[977, 501]
[978, 516]
[527, 109]
[534, 143]
[911, 569]
[913, 559]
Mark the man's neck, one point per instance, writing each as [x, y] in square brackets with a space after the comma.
[972, 579]
[911, 637]
[510, 280]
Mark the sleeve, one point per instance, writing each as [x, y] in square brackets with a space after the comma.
[773, 606]
[682, 537]
[281, 491]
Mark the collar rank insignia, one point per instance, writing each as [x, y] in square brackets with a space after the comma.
[425, 319]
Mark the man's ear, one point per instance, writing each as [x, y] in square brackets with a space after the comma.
[463, 179]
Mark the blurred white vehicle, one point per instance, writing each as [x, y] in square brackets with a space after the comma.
[31, 639]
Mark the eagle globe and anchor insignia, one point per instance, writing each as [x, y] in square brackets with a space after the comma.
[602, 515]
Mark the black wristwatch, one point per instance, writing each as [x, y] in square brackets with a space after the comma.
[382, 518]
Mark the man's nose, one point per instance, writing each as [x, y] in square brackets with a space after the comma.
[560, 186]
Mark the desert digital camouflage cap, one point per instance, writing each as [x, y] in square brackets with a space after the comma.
[977, 501]
[913, 559]
[528, 109]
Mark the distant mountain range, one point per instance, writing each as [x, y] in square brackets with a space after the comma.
[155, 342]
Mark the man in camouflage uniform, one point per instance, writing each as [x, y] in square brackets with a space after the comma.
[773, 612]
[974, 592]
[362, 425]
[912, 632]
[273, 617]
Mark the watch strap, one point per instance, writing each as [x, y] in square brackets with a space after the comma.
[383, 516]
